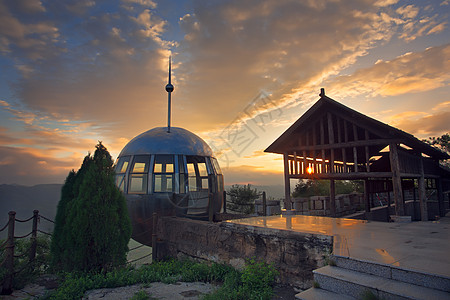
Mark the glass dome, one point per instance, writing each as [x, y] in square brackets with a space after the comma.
[171, 173]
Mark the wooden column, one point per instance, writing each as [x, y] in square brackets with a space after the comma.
[331, 140]
[440, 195]
[295, 163]
[366, 195]
[305, 168]
[322, 142]
[355, 150]
[422, 193]
[287, 184]
[396, 180]
[344, 154]
[332, 198]
[366, 133]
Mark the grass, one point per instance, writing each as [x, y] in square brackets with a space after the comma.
[254, 282]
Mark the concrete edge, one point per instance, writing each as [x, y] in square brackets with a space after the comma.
[417, 277]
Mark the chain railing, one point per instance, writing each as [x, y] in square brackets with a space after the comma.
[9, 245]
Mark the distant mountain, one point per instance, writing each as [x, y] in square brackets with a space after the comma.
[23, 200]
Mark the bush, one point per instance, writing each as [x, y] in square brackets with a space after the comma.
[92, 226]
[242, 198]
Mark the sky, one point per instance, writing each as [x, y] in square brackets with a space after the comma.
[77, 72]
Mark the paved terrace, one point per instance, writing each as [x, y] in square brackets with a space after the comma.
[422, 246]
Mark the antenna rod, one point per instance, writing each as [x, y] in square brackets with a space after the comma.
[169, 89]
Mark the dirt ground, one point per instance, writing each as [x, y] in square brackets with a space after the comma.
[156, 290]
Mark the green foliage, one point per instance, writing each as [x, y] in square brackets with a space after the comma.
[254, 282]
[308, 187]
[141, 295]
[26, 271]
[369, 295]
[443, 144]
[242, 198]
[92, 226]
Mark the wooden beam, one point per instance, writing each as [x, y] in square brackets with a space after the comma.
[396, 180]
[287, 184]
[362, 143]
[343, 176]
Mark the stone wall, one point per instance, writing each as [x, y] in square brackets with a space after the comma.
[293, 254]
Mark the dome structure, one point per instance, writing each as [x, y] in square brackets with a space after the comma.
[169, 173]
[159, 141]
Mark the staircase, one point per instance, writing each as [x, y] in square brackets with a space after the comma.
[349, 279]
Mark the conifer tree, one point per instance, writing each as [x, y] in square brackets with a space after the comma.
[97, 227]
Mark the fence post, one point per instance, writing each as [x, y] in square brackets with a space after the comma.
[264, 203]
[34, 236]
[224, 202]
[9, 257]
[154, 237]
[210, 207]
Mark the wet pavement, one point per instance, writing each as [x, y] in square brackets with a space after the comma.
[422, 246]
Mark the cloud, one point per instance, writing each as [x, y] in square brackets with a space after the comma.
[429, 125]
[409, 73]
[86, 70]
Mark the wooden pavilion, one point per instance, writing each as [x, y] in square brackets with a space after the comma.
[331, 141]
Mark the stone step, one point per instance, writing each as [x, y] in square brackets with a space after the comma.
[355, 284]
[321, 294]
[438, 282]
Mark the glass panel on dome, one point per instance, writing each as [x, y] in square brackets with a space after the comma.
[139, 167]
[183, 183]
[138, 184]
[205, 183]
[141, 163]
[163, 174]
[202, 169]
[216, 165]
[191, 168]
[122, 164]
[158, 168]
[192, 183]
[163, 183]
[181, 164]
[120, 182]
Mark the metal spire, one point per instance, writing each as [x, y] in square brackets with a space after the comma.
[169, 90]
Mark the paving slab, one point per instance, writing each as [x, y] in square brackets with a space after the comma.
[421, 246]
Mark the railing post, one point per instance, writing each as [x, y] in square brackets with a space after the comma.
[224, 202]
[210, 207]
[154, 237]
[264, 203]
[34, 236]
[9, 257]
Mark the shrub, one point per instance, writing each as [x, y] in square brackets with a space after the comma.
[92, 226]
[242, 198]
